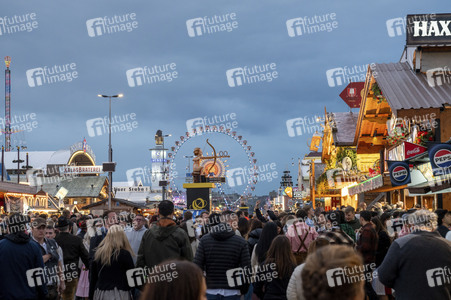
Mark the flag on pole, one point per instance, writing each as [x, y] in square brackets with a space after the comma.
[84, 145]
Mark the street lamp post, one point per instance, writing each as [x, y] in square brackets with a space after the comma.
[164, 169]
[110, 149]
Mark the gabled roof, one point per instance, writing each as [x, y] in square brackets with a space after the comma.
[122, 201]
[86, 186]
[405, 89]
[37, 159]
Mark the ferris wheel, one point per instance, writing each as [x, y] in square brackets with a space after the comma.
[218, 167]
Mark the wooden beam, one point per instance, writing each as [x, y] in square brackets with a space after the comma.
[364, 148]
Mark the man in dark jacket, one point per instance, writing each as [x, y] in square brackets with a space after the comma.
[53, 262]
[21, 263]
[219, 253]
[73, 250]
[418, 265]
[164, 240]
[367, 246]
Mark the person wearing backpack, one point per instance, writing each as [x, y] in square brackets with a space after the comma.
[164, 240]
[300, 236]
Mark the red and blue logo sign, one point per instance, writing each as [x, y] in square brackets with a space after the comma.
[440, 157]
[399, 173]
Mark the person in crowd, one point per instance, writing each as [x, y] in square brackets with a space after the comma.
[310, 213]
[243, 227]
[444, 221]
[416, 263]
[18, 255]
[345, 226]
[189, 284]
[53, 262]
[51, 234]
[188, 226]
[82, 228]
[72, 226]
[367, 246]
[268, 234]
[219, 251]
[83, 283]
[164, 240]
[135, 234]
[300, 236]
[333, 233]
[280, 258]
[112, 260]
[383, 245]
[351, 219]
[383, 242]
[73, 250]
[286, 222]
[109, 218]
[315, 283]
[294, 289]
[254, 234]
[202, 225]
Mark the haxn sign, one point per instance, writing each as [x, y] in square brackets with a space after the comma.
[433, 29]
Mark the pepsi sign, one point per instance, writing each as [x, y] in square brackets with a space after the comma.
[440, 157]
[399, 173]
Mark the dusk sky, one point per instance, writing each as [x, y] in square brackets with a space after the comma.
[195, 62]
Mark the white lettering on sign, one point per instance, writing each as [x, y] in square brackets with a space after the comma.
[138, 189]
[413, 151]
[431, 28]
[81, 169]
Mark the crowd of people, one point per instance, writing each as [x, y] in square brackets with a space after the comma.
[383, 253]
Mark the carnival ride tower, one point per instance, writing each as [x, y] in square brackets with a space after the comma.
[7, 130]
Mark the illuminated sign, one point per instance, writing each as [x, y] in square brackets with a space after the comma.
[82, 147]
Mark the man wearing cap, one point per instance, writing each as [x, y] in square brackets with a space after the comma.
[53, 262]
[164, 240]
[21, 263]
[73, 250]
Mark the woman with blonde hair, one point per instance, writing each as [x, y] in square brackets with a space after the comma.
[112, 259]
[334, 272]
